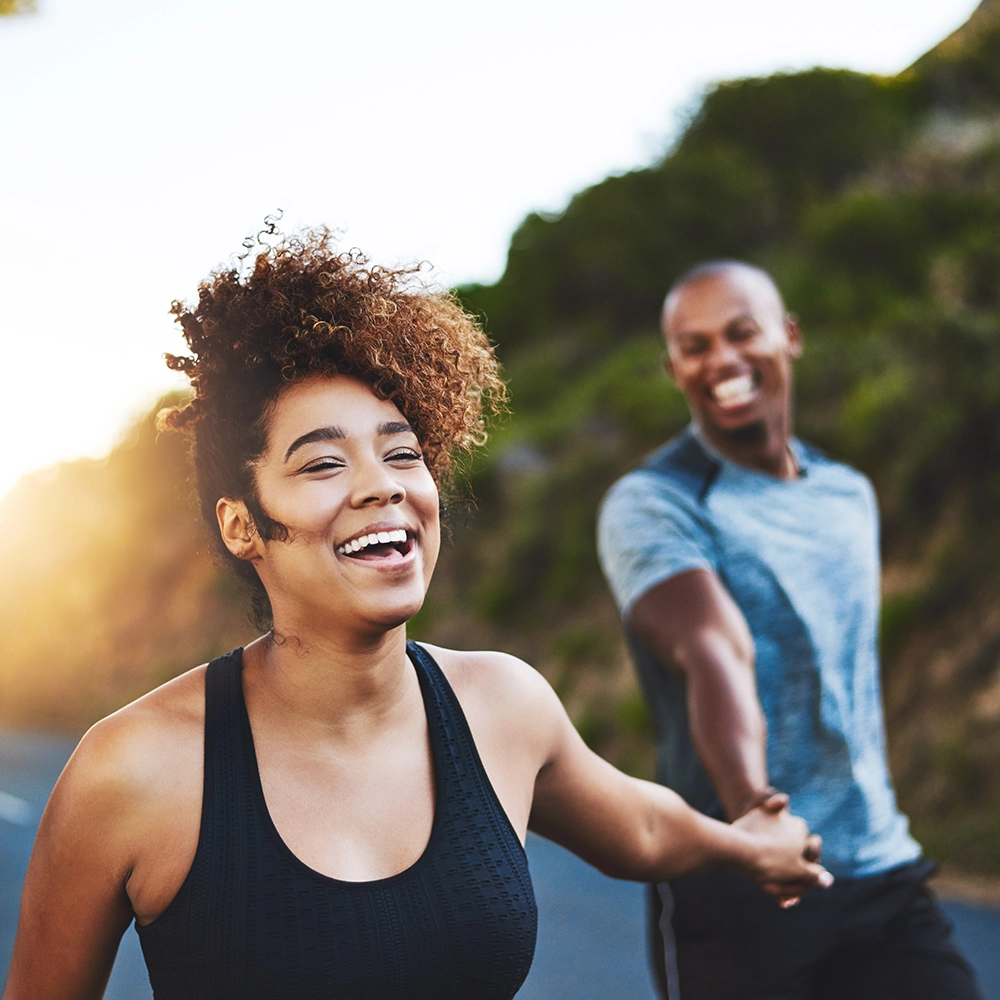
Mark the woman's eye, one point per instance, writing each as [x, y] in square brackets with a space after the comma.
[324, 465]
[405, 455]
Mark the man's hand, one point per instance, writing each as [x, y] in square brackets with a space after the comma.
[786, 866]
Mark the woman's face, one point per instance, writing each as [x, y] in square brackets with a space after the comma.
[343, 472]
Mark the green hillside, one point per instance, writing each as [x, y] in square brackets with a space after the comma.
[876, 203]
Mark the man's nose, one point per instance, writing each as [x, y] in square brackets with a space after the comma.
[724, 354]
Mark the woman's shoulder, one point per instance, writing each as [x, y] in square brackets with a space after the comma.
[502, 688]
[133, 776]
[136, 747]
[489, 670]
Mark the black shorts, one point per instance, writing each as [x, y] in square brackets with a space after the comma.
[719, 937]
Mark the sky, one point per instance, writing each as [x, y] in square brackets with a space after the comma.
[140, 142]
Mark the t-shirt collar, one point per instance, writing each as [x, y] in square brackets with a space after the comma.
[796, 447]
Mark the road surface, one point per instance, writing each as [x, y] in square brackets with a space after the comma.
[590, 936]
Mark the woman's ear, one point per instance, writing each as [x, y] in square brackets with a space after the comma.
[236, 528]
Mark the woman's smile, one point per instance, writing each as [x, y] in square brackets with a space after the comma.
[379, 543]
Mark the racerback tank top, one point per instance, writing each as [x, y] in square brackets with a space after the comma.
[252, 922]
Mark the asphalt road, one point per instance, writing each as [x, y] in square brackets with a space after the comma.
[590, 938]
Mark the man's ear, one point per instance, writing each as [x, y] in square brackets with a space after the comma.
[236, 527]
[668, 366]
[794, 334]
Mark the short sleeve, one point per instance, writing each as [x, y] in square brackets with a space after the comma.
[646, 533]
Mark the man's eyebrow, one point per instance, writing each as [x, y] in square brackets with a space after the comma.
[686, 336]
[741, 319]
[320, 434]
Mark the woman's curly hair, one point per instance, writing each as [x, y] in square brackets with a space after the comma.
[305, 310]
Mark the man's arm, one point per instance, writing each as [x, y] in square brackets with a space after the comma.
[692, 625]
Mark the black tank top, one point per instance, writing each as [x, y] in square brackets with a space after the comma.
[252, 922]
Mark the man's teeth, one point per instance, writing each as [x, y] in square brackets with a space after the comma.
[742, 385]
[375, 538]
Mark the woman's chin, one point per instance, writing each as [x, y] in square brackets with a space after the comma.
[399, 614]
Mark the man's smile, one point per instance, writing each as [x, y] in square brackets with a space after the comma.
[734, 392]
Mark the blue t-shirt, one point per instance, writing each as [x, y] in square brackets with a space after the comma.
[800, 559]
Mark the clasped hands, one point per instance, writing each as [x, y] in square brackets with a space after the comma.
[790, 867]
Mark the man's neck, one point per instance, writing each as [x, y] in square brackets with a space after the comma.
[756, 446]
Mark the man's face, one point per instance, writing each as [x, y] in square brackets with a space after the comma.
[729, 350]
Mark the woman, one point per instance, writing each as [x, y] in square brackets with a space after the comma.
[331, 812]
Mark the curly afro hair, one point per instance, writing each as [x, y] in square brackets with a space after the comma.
[306, 310]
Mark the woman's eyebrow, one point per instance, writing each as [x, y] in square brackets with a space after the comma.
[394, 427]
[335, 433]
[320, 434]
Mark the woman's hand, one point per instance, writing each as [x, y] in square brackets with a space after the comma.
[785, 861]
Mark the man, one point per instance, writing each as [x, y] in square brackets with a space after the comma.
[746, 567]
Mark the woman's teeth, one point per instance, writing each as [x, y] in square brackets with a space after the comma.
[375, 538]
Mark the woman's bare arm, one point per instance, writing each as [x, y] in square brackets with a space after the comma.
[116, 839]
[74, 907]
[549, 780]
[635, 829]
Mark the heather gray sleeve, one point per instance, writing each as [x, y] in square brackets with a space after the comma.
[647, 533]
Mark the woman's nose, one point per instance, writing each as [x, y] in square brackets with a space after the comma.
[376, 484]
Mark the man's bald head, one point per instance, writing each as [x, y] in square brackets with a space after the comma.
[754, 279]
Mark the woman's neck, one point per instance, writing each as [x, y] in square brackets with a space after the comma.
[347, 683]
